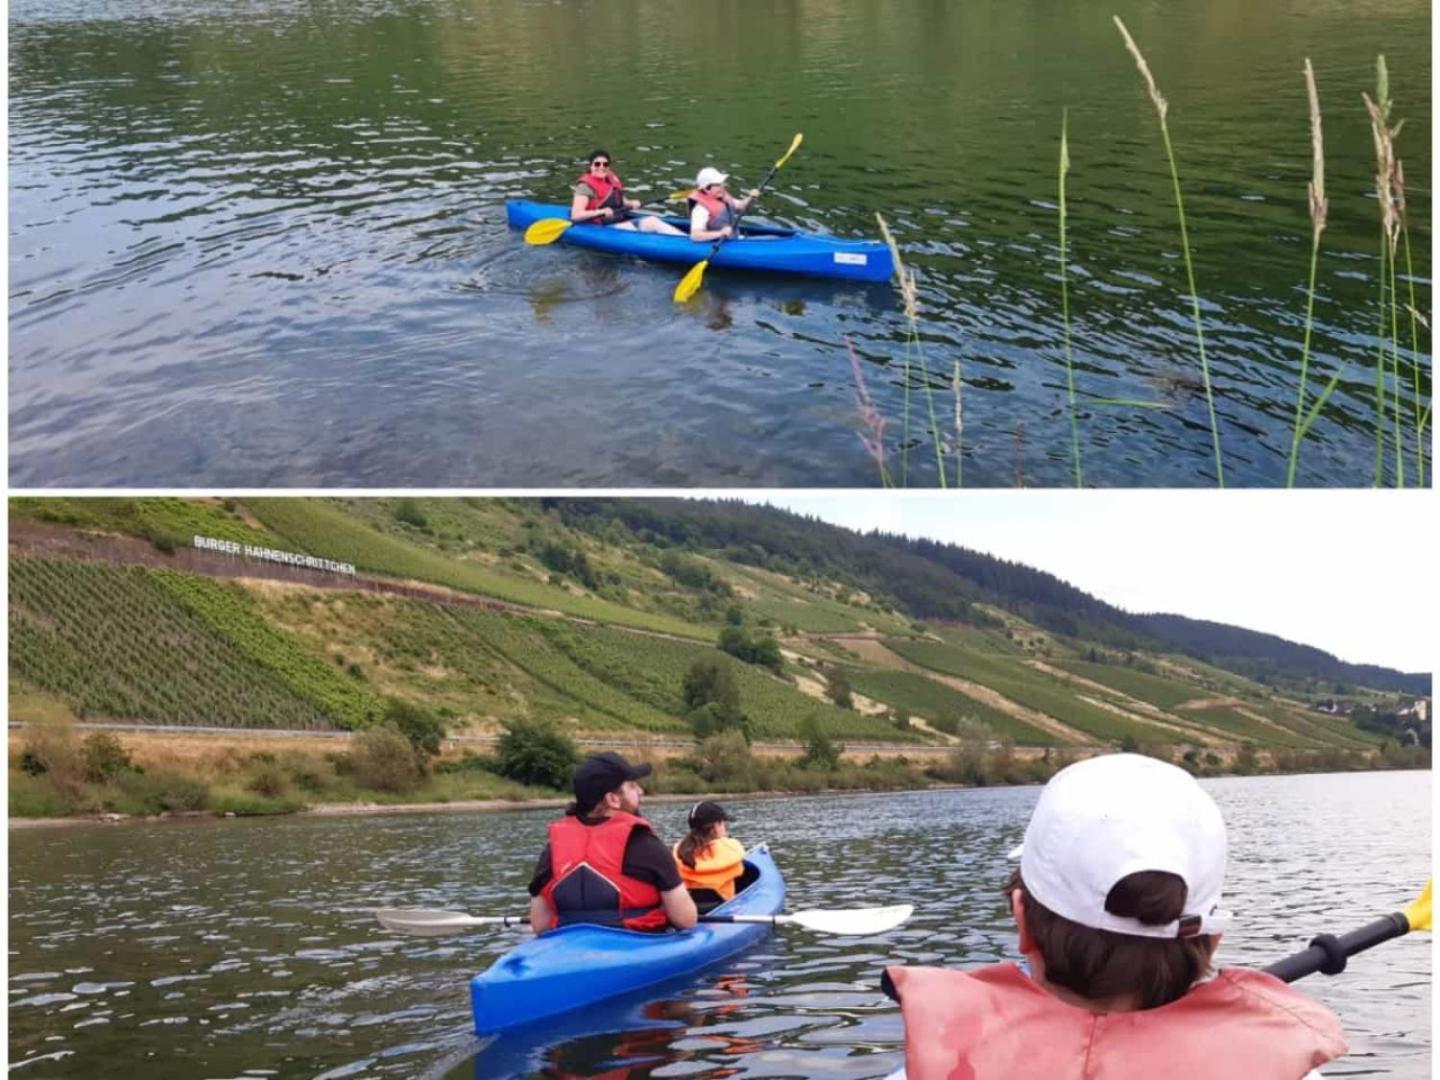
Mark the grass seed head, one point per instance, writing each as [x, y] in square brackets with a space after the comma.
[909, 289]
[1316, 187]
[1161, 106]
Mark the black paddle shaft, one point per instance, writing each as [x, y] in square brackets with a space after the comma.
[1328, 953]
[735, 229]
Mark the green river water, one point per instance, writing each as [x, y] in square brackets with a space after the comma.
[264, 243]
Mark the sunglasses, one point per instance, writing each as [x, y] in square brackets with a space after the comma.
[602, 164]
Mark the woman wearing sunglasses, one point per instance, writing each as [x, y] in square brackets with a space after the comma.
[713, 210]
[599, 199]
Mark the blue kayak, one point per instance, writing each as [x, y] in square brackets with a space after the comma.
[577, 966]
[758, 247]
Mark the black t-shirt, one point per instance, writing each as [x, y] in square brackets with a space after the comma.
[646, 859]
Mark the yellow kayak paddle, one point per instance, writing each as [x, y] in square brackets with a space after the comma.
[690, 283]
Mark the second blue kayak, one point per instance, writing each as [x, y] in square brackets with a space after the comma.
[759, 247]
[577, 966]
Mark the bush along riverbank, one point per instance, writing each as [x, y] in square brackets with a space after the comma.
[55, 772]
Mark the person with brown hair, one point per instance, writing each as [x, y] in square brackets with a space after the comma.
[603, 863]
[1117, 905]
[708, 859]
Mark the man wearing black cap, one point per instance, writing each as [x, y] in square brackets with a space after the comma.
[603, 863]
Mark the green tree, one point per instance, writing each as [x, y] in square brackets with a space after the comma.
[712, 699]
[421, 728]
[536, 752]
[725, 760]
[837, 686]
[760, 649]
[821, 752]
[382, 759]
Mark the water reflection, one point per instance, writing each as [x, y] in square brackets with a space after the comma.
[266, 245]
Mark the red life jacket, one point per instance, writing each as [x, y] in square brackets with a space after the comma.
[587, 883]
[995, 1021]
[606, 191]
[721, 210]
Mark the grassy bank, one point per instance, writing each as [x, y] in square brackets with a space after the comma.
[56, 771]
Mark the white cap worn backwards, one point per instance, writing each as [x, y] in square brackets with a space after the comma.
[1103, 819]
[709, 175]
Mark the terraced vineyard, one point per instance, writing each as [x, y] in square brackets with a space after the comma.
[1030, 688]
[177, 521]
[322, 529]
[654, 670]
[1165, 693]
[118, 643]
[944, 708]
[1248, 729]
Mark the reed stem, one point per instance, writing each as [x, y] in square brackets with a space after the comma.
[1065, 293]
[1318, 209]
[1414, 355]
[956, 384]
[1395, 368]
[1161, 107]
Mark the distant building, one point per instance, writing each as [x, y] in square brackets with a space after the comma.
[1419, 708]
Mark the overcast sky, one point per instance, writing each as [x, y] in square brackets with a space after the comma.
[1350, 572]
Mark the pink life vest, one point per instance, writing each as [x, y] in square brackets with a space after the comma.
[996, 1022]
[722, 210]
[607, 193]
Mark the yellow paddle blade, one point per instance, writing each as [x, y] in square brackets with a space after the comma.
[546, 230]
[679, 196]
[794, 145]
[1417, 912]
[690, 283]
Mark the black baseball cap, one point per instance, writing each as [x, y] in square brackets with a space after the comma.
[601, 774]
[707, 813]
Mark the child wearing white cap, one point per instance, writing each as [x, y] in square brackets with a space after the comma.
[713, 210]
[1117, 904]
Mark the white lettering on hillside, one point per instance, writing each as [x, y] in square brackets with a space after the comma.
[252, 551]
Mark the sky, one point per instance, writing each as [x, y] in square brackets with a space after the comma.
[1350, 572]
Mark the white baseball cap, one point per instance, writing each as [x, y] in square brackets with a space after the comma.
[1105, 818]
[709, 175]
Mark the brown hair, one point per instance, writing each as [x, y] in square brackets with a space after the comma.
[1100, 964]
[697, 839]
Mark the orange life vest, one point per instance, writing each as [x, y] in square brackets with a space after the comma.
[605, 191]
[587, 880]
[717, 865]
[722, 210]
[996, 1022]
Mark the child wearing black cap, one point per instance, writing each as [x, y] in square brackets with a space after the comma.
[710, 861]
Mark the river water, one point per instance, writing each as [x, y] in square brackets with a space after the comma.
[263, 243]
[243, 948]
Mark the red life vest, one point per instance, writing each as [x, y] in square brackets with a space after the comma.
[721, 210]
[606, 192]
[587, 883]
[995, 1021]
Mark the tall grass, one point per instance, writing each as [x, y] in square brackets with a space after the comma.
[1318, 207]
[1389, 188]
[1065, 292]
[909, 292]
[1161, 108]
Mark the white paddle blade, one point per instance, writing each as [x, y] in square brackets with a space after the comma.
[427, 922]
[855, 921]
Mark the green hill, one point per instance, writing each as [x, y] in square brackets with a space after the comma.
[590, 613]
